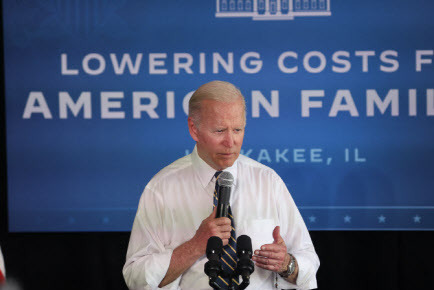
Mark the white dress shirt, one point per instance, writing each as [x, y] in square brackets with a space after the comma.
[180, 197]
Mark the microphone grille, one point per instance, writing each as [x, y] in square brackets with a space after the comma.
[225, 179]
[214, 246]
[244, 244]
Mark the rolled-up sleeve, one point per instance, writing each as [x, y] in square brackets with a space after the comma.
[298, 241]
[147, 258]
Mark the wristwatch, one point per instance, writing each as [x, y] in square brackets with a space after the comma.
[290, 269]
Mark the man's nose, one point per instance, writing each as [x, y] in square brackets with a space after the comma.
[229, 139]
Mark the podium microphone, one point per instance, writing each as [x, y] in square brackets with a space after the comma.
[245, 265]
[214, 249]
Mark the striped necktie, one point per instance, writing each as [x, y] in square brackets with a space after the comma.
[229, 256]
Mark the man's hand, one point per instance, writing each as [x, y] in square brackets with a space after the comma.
[212, 226]
[273, 257]
[187, 254]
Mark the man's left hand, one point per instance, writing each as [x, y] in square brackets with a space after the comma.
[273, 257]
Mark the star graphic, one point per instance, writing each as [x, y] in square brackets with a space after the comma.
[312, 219]
[417, 219]
[381, 219]
[347, 219]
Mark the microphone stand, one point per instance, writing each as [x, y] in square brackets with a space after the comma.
[213, 283]
[245, 283]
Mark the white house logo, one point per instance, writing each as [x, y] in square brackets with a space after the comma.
[272, 9]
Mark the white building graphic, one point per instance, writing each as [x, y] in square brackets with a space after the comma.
[272, 9]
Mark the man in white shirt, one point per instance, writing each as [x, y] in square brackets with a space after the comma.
[175, 218]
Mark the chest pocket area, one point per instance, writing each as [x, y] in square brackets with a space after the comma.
[260, 231]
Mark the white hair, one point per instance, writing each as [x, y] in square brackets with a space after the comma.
[216, 90]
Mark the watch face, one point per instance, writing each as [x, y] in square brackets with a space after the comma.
[291, 266]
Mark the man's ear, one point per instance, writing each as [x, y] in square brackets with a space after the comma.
[193, 129]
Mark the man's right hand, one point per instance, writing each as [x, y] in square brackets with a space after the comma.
[212, 226]
[187, 253]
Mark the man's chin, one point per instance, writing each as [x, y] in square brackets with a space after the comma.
[225, 164]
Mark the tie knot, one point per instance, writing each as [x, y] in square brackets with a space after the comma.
[217, 174]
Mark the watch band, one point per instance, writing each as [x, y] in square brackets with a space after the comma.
[290, 269]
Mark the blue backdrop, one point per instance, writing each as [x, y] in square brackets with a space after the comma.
[340, 100]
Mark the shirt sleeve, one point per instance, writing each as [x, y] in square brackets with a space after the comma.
[297, 239]
[2, 264]
[147, 259]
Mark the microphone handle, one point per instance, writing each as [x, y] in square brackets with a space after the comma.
[222, 210]
[224, 195]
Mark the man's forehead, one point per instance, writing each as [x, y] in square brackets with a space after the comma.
[214, 112]
[221, 107]
[216, 105]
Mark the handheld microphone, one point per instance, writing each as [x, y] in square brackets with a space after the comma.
[225, 181]
[245, 265]
[214, 249]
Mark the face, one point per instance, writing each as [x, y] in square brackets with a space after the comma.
[220, 134]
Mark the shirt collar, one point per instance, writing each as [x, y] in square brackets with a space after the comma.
[206, 172]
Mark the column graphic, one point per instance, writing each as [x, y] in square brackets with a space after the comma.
[272, 9]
